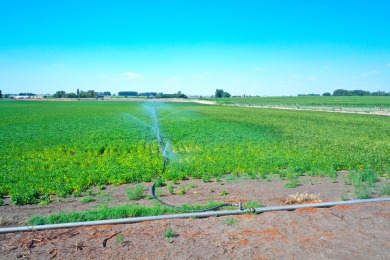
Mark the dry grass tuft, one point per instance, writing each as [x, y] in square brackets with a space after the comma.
[303, 198]
[4, 221]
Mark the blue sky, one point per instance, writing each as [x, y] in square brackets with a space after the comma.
[269, 48]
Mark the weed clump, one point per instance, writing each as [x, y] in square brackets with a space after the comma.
[302, 198]
[135, 193]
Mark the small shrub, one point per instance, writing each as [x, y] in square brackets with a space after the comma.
[159, 182]
[1, 202]
[135, 193]
[169, 233]
[28, 197]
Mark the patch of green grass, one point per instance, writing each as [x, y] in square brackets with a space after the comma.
[252, 204]
[385, 189]
[181, 191]
[170, 187]
[230, 221]
[224, 193]
[291, 183]
[119, 211]
[87, 199]
[119, 237]
[135, 193]
[344, 195]
[362, 192]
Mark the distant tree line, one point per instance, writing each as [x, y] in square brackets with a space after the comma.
[1, 95]
[179, 94]
[344, 92]
[81, 94]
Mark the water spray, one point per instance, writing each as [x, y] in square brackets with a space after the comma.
[164, 147]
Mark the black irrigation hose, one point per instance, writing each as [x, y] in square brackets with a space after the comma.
[161, 141]
[200, 210]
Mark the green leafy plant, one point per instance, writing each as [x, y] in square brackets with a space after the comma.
[181, 191]
[224, 192]
[135, 193]
[169, 233]
[159, 182]
[170, 187]
[1, 202]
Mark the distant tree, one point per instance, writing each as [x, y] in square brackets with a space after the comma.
[341, 92]
[107, 93]
[218, 93]
[78, 92]
[71, 95]
[1, 95]
[326, 94]
[378, 93]
[226, 95]
[59, 94]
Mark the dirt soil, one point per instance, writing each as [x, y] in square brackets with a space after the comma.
[358, 231]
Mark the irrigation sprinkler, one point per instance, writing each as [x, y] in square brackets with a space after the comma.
[164, 148]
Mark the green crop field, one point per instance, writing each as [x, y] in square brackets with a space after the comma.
[330, 101]
[61, 148]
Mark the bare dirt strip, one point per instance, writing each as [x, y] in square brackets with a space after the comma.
[358, 231]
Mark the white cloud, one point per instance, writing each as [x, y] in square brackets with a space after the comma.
[388, 64]
[311, 78]
[370, 73]
[258, 68]
[133, 75]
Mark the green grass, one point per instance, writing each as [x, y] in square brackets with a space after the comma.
[338, 101]
[120, 211]
[87, 199]
[385, 189]
[78, 145]
[291, 183]
[230, 221]
[135, 193]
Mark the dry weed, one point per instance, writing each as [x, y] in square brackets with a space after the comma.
[302, 198]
